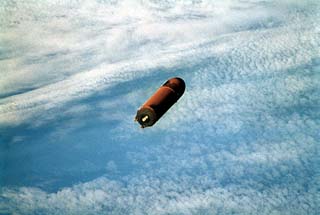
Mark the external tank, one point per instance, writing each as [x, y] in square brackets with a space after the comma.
[160, 102]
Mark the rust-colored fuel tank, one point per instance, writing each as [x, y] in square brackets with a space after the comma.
[160, 102]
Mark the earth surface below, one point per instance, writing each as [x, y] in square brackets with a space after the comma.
[243, 139]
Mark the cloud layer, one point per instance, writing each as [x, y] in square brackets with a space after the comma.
[244, 139]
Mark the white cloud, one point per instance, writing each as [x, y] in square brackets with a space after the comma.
[154, 196]
[71, 55]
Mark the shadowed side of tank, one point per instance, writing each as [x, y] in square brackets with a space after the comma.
[160, 102]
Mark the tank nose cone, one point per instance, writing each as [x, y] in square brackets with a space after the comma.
[177, 84]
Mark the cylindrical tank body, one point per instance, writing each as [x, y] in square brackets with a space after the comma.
[160, 102]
